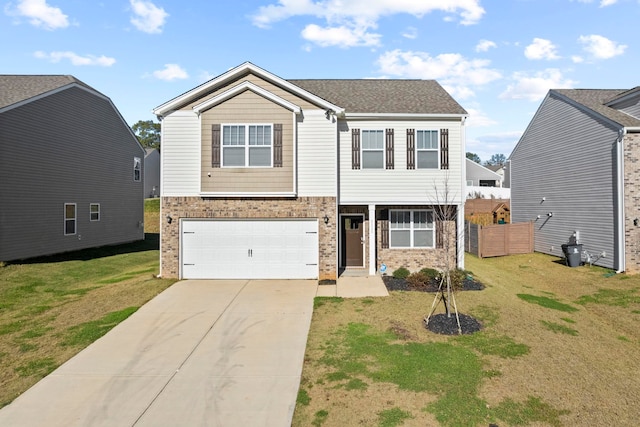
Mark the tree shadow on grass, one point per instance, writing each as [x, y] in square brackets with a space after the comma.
[151, 242]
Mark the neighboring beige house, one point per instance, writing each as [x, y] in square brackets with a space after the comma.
[71, 169]
[264, 177]
[576, 172]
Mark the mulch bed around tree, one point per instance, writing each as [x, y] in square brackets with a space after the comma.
[441, 324]
[394, 284]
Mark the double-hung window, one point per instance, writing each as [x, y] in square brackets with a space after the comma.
[137, 168]
[247, 145]
[427, 149]
[372, 149]
[69, 219]
[94, 212]
[411, 229]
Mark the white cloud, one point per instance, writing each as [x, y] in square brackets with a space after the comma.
[340, 36]
[605, 3]
[495, 143]
[455, 72]
[485, 45]
[39, 13]
[541, 49]
[410, 33]
[600, 47]
[75, 59]
[171, 72]
[148, 17]
[478, 118]
[577, 59]
[535, 87]
[359, 16]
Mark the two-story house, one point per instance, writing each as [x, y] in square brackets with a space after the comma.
[264, 177]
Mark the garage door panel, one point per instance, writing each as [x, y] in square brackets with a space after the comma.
[249, 249]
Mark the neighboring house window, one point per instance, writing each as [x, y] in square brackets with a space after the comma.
[372, 143]
[247, 145]
[94, 211]
[69, 218]
[427, 149]
[411, 229]
[137, 168]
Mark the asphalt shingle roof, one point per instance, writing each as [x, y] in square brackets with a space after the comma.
[384, 96]
[17, 88]
[595, 99]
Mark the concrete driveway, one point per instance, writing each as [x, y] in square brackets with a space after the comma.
[202, 353]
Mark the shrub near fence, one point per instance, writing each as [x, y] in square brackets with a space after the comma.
[498, 240]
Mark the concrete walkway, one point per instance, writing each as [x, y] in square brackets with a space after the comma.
[202, 353]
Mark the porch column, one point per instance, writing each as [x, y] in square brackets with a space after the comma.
[372, 240]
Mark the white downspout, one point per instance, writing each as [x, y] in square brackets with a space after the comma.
[621, 212]
[463, 198]
[372, 240]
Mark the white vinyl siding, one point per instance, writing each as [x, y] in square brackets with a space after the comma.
[317, 155]
[400, 185]
[411, 229]
[180, 156]
[568, 158]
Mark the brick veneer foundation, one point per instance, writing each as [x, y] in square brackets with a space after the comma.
[632, 201]
[247, 208]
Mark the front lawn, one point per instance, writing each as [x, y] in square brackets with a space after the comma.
[51, 308]
[559, 347]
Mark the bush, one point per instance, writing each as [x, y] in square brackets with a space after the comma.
[457, 278]
[401, 273]
[418, 279]
[430, 273]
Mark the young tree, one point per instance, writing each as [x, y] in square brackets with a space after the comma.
[474, 157]
[496, 159]
[148, 133]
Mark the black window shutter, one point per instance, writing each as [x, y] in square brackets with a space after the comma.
[411, 148]
[384, 228]
[215, 146]
[444, 148]
[389, 148]
[355, 149]
[277, 145]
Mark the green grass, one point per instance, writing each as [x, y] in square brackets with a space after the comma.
[86, 333]
[393, 417]
[39, 367]
[612, 297]
[152, 205]
[547, 302]
[319, 418]
[303, 398]
[488, 343]
[320, 301]
[558, 328]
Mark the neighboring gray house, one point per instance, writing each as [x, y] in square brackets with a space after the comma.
[576, 172]
[71, 169]
[152, 173]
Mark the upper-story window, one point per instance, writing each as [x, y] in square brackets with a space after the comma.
[247, 145]
[137, 168]
[372, 149]
[427, 149]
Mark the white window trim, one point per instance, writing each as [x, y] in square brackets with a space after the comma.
[137, 166]
[246, 145]
[383, 149]
[90, 212]
[75, 219]
[411, 229]
[437, 149]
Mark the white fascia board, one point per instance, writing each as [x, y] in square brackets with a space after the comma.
[232, 194]
[403, 116]
[241, 88]
[632, 129]
[389, 202]
[232, 74]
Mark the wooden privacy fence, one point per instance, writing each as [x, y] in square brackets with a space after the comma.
[498, 240]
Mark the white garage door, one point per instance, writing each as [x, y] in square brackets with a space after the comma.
[249, 249]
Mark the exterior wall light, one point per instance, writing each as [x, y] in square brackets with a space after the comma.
[169, 219]
[326, 219]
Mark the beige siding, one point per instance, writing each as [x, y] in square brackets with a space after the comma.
[276, 90]
[317, 155]
[248, 107]
[180, 157]
[400, 185]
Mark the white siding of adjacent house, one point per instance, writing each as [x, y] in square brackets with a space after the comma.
[568, 158]
[317, 155]
[180, 154]
[400, 185]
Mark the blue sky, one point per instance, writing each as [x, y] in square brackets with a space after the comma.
[498, 58]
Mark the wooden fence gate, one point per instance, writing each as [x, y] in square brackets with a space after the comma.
[498, 240]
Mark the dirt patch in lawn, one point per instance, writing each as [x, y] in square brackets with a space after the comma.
[538, 364]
